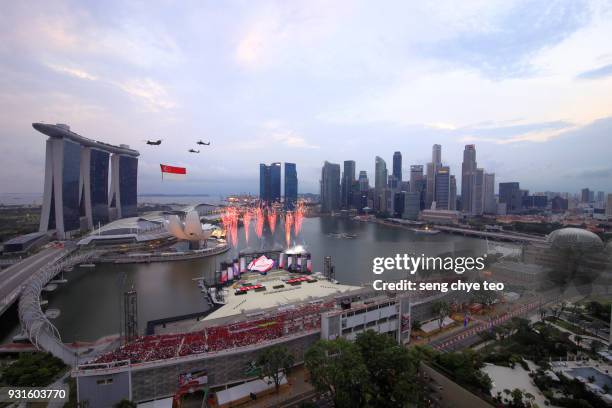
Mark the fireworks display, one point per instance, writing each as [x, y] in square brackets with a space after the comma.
[230, 224]
[246, 221]
[298, 218]
[259, 221]
[272, 219]
[288, 225]
[232, 214]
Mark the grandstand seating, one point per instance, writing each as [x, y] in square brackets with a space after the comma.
[217, 338]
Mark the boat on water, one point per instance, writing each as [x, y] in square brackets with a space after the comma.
[87, 265]
[425, 231]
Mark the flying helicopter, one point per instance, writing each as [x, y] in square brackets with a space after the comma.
[193, 151]
[154, 142]
[200, 142]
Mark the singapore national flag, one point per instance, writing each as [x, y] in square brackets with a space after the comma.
[172, 172]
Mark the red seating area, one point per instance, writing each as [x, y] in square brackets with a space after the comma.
[212, 339]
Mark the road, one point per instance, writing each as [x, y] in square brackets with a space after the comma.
[469, 336]
[13, 277]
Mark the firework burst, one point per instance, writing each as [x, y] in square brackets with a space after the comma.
[288, 225]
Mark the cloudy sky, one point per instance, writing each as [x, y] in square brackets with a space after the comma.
[529, 82]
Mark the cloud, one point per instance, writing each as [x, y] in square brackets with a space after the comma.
[78, 73]
[600, 173]
[598, 73]
[518, 132]
[151, 92]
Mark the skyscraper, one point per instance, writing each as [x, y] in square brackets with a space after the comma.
[609, 206]
[436, 161]
[275, 182]
[416, 173]
[477, 200]
[264, 183]
[330, 187]
[348, 178]
[412, 205]
[468, 173]
[380, 173]
[443, 185]
[586, 195]
[436, 154]
[397, 166]
[291, 186]
[380, 183]
[76, 194]
[490, 207]
[364, 183]
[270, 183]
[510, 194]
[452, 204]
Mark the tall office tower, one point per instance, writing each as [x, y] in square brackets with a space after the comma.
[452, 200]
[436, 161]
[600, 197]
[392, 182]
[270, 183]
[442, 188]
[291, 186]
[490, 206]
[399, 198]
[348, 178]
[412, 205]
[123, 186]
[275, 182]
[436, 154]
[591, 196]
[468, 173]
[397, 166]
[364, 183]
[330, 187]
[380, 184]
[586, 195]
[96, 188]
[76, 195]
[430, 185]
[609, 206]
[478, 192]
[416, 173]
[264, 183]
[380, 173]
[510, 195]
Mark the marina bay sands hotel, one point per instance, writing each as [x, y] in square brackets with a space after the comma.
[76, 195]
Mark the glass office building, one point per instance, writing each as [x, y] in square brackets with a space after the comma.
[70, 185]
[291, 186]
[98, 173]
[128, 185]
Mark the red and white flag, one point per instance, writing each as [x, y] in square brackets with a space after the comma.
[172, 172]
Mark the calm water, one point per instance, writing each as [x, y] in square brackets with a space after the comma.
[90, 301]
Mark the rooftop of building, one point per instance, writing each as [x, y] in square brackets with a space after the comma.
[283, 296]
[575, 239]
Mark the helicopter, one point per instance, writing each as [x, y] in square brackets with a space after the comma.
[193, 151]
[154, 142]
[200, 142]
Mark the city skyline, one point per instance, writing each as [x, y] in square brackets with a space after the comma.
[295, 83]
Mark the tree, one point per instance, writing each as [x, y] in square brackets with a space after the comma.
[441, 309]
[275, 362]
[336, 366]
[392, 370]
[416, 325]
[578, 339]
